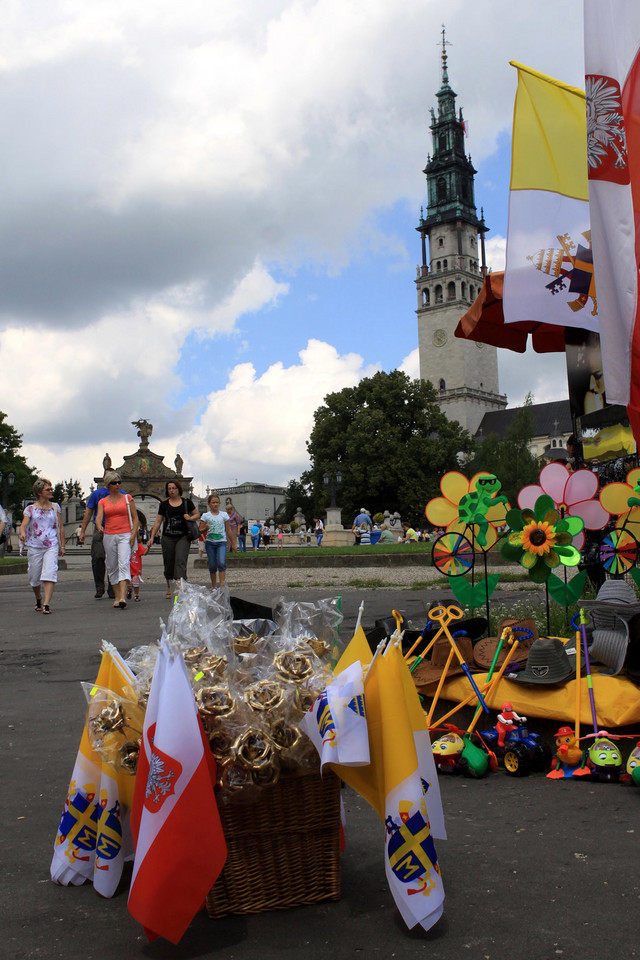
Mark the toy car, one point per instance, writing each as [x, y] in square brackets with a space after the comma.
[523, 752]
[457, 753]
[604, 759]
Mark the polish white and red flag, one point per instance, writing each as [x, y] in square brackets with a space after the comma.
[612, 67]
[180, 847]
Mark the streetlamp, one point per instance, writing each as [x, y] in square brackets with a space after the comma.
[6, 482]
[332, 483]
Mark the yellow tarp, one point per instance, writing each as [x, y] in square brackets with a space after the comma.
[617, 699]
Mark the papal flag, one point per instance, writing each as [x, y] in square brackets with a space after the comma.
[402, 788]
[337, 722]
[612, 65]
[94, 838]
[549, 269]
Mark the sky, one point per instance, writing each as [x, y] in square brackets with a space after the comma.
[208, 212]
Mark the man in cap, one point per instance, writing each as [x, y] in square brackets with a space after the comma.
[362, 521]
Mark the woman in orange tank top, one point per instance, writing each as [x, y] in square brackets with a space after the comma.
[117, 519]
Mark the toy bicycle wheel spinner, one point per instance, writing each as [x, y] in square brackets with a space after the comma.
[618, 551]
[453, 554]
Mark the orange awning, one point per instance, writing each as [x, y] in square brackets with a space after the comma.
[484, 322]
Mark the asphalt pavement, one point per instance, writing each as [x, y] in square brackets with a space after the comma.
[532, 869]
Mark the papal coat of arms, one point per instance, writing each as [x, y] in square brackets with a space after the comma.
[571, 267]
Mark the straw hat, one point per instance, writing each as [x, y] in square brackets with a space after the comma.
[548, 662]
[430, 671]
[523, 629]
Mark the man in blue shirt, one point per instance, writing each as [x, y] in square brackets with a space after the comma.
[97, 547]
[362, 520]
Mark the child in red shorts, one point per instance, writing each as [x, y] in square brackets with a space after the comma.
[136, 570]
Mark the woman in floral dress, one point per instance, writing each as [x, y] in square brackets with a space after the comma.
[42, 531]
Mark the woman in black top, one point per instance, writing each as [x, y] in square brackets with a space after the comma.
[175, 511]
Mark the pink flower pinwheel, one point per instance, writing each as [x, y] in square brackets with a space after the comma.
[572, 494]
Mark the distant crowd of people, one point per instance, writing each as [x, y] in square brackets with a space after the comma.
[121, 538]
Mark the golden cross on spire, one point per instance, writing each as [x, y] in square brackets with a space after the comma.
[445, 44]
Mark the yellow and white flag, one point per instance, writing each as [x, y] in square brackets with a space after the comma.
[401, 785]
[549, 266]
[336, 723]
[93, 838]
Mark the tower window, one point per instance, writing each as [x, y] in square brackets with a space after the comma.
[472, 292]
[464, 290]
[445, 264]
[440, 242]
[439, 265]
[438, 293]
[441, 188]
[425, 298]
[451, 291]
[442, 386]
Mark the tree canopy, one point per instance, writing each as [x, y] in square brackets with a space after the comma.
[67, 489]
[391, 442]
[12, 462]
[509, 457]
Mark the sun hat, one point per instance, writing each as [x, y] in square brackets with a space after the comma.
[549, 662]
[616, 599]
[429, 671]
[609, 647]
[524, 629]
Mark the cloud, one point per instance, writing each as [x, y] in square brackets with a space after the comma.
[411, 364]
[256, 427]
[496, 251]
[165, 163]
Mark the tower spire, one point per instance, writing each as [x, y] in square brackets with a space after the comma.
[445, 44]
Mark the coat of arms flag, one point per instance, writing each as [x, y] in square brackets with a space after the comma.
[549, 271]
[94, 838]
[612, 65]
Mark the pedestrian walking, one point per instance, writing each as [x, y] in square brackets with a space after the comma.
[4, 521]
[98, 564]
[42, 532]
[255, 535]
[215, 523]
[173, 513]
[242, 537]
[266, 535]
[117, 520]
[135, 568]
[234, 524]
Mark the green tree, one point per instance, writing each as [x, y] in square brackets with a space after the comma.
[509, 457]
[72, 488]
[58, 493]
[391, 442]
[299, 493]
[12, 462]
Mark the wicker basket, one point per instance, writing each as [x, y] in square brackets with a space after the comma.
[283, 850]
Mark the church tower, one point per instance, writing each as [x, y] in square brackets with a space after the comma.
[464, 373]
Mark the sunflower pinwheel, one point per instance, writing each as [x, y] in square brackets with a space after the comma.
[540, 540]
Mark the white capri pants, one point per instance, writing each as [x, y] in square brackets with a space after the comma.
[43, 565]
[117, 549]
